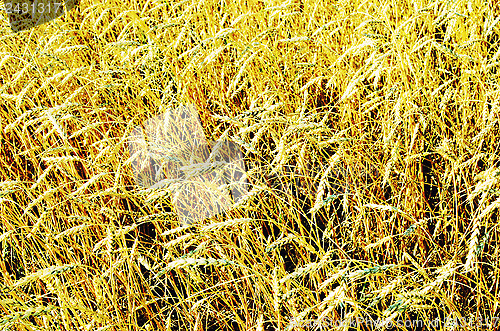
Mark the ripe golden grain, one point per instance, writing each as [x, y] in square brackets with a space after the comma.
[330, 89]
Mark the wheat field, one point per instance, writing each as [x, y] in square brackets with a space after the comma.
[370, 131]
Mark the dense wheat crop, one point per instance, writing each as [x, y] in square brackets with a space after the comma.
[370, 131]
